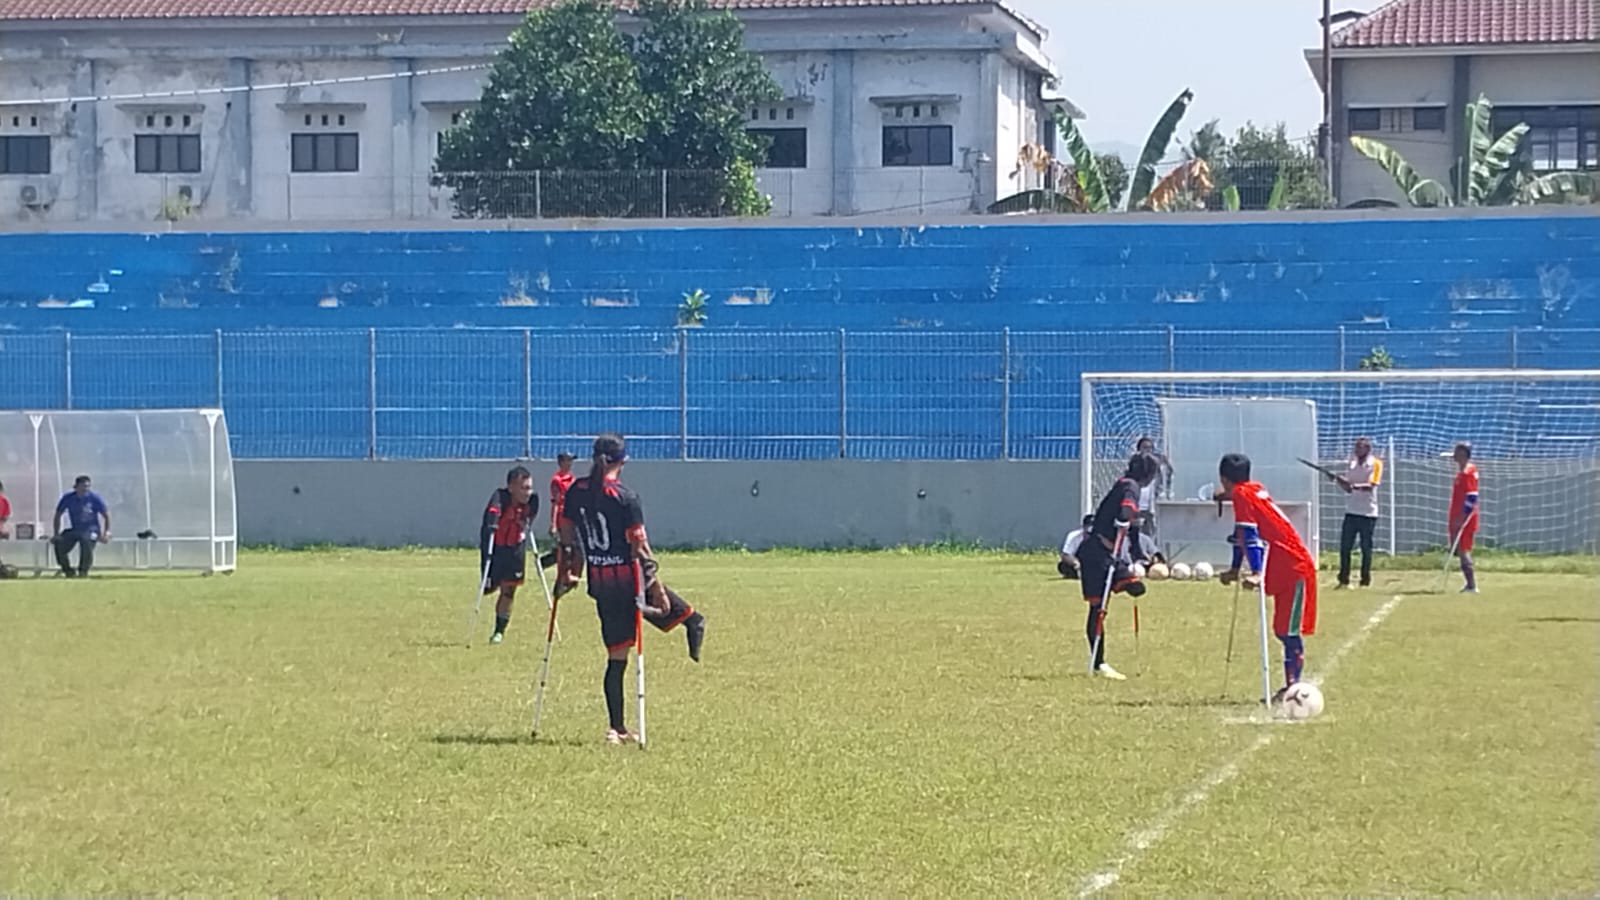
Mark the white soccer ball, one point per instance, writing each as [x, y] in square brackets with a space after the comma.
[1203, 570]
[1302, 701]
[1137, 569]
[1158, 572]
[1181, 571]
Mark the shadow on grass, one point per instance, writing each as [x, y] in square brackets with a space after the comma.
[1561, 620]
[1184, 703]
[503, 740]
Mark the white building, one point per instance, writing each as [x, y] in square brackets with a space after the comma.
[135, 109]
[1405, 73]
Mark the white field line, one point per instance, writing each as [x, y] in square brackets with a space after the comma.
[1141, 839]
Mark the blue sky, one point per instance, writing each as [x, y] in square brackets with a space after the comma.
[1123, 61]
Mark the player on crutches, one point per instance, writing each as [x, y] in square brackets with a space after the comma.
[502, 545]
[1103, 563]
[1261, 530]
[602, 531]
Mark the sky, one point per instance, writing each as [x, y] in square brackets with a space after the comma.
[1124, 61]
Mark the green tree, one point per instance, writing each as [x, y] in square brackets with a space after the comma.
[602, 114]
[1115, 173]
[1271, 171]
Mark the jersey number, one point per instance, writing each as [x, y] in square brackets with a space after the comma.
[597, 534]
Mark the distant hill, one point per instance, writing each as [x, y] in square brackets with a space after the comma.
[1128, 152]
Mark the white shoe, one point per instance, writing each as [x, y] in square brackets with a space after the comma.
[1104, 670]
[497, 637]
[614, 736]
[1469, 590]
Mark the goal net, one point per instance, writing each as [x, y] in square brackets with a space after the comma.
[166, 477]
[1535, 437]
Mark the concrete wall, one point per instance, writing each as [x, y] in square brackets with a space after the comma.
[1551, 506]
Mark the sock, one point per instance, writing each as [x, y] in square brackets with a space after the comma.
[1294, 657]
[1467, 571]
[500, 623]
[1090, 629]
[614, 670]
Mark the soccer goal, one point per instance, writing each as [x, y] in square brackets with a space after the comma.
[166, 476]
[1535, 437]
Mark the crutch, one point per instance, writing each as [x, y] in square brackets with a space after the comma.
[544, 668]
[1261, 598]
[1455, 542]
[549, 598]
[638, 641]
[1105, 595]
[483, 588]
[1233, 623]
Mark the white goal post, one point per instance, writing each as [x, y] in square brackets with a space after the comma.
[166, 476]
[1535, 436]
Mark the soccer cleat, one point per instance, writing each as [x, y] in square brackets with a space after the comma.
[613, 736]
[497, 637]
[1277, 696]
[1470, 589]
[695, 631]
[1104, 670]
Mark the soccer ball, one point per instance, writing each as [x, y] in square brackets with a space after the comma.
[1181, 571]
[1302, 701]
[1158, 572]
[1203, 570]
[1137, 570]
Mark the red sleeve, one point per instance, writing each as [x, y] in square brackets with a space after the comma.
[5, 508]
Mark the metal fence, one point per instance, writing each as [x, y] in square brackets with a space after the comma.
[685, 393]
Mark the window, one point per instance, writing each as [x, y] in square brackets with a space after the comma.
[24, 155]
[917, 145]
[1365, 120]
[1560, 138]
[1427, 118]
[787, 147]
[166, 153]
[338, 152]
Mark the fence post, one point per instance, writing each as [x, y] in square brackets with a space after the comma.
[219, 368]
[683, 393]
[1341, 348]
[1172, 349]
[843, 430]
[1513, 347]
[538, 193]
[663, 193]
[372, 393]
[527, 393]
[1005, 393]
[66, 371]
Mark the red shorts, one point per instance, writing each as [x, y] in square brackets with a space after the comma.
[1464, 545]
[1294, 607]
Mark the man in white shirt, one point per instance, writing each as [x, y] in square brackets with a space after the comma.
[1068, 566]
[1155, 489]
[1360, 481]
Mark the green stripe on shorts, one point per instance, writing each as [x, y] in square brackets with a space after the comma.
[1297, 607]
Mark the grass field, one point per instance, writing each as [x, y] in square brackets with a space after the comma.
[879, 724]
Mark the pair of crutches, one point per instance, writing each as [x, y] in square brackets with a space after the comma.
[1105, 606]
[1233, 622]
[483, 586]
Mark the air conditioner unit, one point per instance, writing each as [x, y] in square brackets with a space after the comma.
[29, 195]
[35, 194]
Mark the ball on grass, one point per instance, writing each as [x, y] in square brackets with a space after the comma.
[1301, 701]
[1181, 571]
[1158, 572]
[1203, 570]
[1137, 569]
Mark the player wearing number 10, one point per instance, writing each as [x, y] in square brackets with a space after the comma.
[1263, 535]
[602, 529]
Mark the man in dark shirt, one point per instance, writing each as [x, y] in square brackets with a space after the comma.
[502, 542]
[1105, 556]
[89, 523]
[602, 529]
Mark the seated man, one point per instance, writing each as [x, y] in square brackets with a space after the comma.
[90, 524]
[1068, 566]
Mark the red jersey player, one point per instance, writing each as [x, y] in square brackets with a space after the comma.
[560, 480]
[1263, 535]
[1463, 521]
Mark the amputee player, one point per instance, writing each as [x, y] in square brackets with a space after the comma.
[1105, 551]
[560, 480]
[502, 542]
[1463, 517]
[1264, 537]
[602, 529]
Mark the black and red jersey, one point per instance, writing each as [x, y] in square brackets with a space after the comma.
[506, 520]
[606, 515]
[1121, 503]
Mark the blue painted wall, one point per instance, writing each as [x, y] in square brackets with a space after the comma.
[949, 342]
[1201, 271]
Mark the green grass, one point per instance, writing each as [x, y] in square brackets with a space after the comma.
[879, 724]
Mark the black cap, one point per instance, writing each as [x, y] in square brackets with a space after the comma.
[565, 456]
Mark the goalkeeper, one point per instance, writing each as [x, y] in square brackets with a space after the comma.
[1463, 517]
[1263, 536]
[1104, 557]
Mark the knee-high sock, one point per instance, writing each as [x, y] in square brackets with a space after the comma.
[1467, 571]
[1294, 657]
[1091, 628]
[614, 670]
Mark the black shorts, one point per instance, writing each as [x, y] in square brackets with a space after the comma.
[617, 611]
[507, 566]
[1094, 563]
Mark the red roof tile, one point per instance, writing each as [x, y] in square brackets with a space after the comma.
[47, 10]
[1452, 23]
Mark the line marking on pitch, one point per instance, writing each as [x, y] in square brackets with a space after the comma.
[1147, 836]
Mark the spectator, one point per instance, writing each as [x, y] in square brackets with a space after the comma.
[90, 524]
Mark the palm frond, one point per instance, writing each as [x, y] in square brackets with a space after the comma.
[1084, 163]
[1558, 187]
[1191, 174]
[1156, 147]
[1419, 191]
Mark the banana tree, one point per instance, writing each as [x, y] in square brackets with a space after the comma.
[1492, 174]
